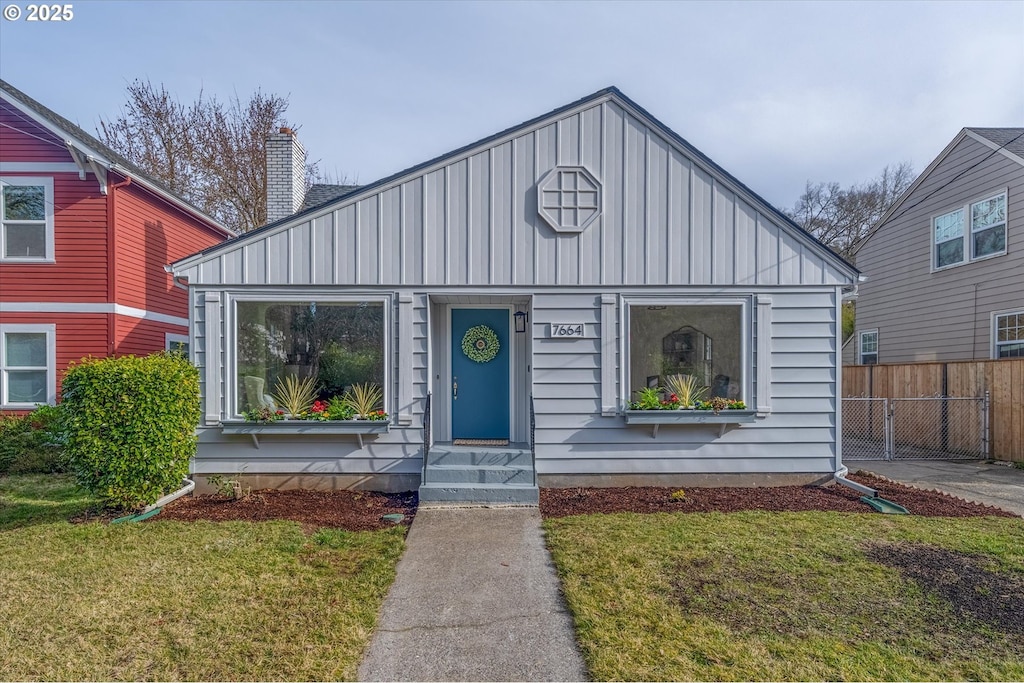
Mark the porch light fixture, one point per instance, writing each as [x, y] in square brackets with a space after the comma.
[521, 319]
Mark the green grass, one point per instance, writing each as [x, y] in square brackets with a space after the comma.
[770, 596]
[40, 499]
[180, 601]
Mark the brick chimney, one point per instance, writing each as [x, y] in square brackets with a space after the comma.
[286, 174]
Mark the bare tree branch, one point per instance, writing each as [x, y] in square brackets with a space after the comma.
[211, 153]
[842, 218]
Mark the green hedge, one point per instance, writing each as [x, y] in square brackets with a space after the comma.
[32, 443]
[130, 425]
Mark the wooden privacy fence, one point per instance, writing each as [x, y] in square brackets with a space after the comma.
[1003, 379]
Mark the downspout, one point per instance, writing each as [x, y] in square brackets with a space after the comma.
[112, 258]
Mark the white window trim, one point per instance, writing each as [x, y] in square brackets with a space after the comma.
[230, 378]
[746, 342]
[23, 181]
[171, 338]
[51, 363]
[968, 235]
[860, 345]
[993, 333]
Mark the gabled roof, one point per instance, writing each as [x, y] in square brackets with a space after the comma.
[321, 194]
[1009, 142]
[610, 93]
[90, 148]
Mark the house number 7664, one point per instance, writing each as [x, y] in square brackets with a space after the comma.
[567, 330]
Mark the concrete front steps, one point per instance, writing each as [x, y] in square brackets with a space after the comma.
[479, 475]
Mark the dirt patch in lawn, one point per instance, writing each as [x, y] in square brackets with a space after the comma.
[350, 510]
[960, 579]
[581, 501]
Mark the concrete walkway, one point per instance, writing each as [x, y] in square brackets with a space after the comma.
[996, 485]
[476, 599]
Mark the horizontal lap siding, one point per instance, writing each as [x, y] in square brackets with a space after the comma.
[798, 436]
[23, 140]
[79, 335]
[150, 235]
[142, 337]
[79, 273]
[945, 315]
[666, 219]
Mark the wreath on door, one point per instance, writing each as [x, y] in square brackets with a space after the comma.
[480, 344]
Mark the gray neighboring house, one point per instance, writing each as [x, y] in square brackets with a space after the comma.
[525, 288]
[944, 267]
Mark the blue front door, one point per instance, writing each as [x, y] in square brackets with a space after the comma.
[480, 383]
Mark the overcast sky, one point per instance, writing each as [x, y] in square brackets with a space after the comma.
[776, 93]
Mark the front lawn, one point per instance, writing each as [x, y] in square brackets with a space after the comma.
[794, 596]
[168, 600]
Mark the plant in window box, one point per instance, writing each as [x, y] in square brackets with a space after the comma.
[263, 414]
[687, 391]
[650, 399]
[718, 404]
[294, 395]
[363, 400]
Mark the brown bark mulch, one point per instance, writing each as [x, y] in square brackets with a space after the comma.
[351, 510]
[579, 501]
[365, 510]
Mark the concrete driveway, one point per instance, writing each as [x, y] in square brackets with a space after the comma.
[979, 481]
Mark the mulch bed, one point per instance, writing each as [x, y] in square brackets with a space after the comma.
[351, 510]
[579, 501]
[364, 510]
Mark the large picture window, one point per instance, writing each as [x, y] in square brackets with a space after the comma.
[704, 341]
[26, 219]
[337, 343]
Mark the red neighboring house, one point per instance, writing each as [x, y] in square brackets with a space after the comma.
[84, 240]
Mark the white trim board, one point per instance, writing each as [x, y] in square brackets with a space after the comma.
[67, 307]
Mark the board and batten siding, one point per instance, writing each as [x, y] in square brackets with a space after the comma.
[945, 315]
[667, 219]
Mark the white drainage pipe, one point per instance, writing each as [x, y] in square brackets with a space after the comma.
[188, 487]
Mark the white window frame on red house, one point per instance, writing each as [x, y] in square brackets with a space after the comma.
[51, 364]
[47, 223]
[968, 230]
[177, 342]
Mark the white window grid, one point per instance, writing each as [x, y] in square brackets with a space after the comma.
[868, 346]
[1008, 334]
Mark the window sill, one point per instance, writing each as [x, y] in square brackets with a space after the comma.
[27, 261]
[656, 418]
[357, 428]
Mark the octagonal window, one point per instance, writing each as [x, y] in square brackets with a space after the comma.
[569, 198]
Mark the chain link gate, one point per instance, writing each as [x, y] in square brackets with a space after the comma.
[934, 428]
[866, 429]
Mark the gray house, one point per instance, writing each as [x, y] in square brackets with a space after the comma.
[945, 265]
[511, 298]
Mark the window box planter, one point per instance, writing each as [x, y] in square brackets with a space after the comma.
[656, 418]
[357, 428]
